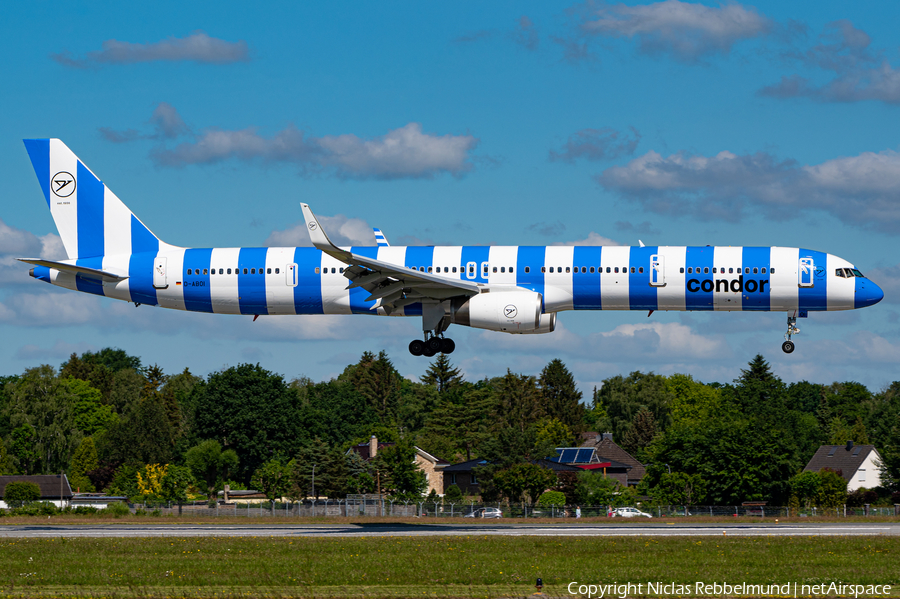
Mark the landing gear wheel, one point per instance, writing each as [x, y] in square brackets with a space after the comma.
[787, 347]
[447, 346]
[416, 347]
[435, 344]
[429, 351]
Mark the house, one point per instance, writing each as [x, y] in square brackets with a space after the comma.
[586, 458]
[858, 464]
[96, 500]
[464, 476]
[54, 488]
[432, 466]
[607, 451]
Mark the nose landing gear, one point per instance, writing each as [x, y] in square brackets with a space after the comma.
[788, 345]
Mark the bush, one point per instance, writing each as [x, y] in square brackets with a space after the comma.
[19, 494]
[549, 498]
[117, 509]
[36, 508]
[453, 494]
[82, 510]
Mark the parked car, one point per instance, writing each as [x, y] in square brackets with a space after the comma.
[629, 512]
[485, 512]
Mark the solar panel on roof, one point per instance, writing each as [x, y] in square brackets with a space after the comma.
[856, 451]
[568, 456]
[833, 449]
[584, 456]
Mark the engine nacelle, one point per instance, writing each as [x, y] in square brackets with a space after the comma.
[510, 312]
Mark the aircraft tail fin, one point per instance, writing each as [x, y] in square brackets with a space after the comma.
[91, 220]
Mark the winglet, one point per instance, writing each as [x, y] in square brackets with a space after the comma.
[642, 243]
[318, 236]
[380, 239]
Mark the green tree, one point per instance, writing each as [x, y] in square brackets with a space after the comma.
[640, 433]
[6, 466]
[273, 479]
[560, 398]
[175, 484]
[806, 488]
[18, 494]
[518, 402]
[400, 476]
[679, 488]
[692, 400]
[623, 397]
[758, 392]
[549, 498]
[453, 494]
[552, 433]
[593, 488]
[143, 435]
[442, 375]
[833, 490]
[332, 471]
[22, 451]
[524, 482]
[376, 379]
[83, 461]
[250, 410]
[91, 415]
[462, 423]
[208, 463]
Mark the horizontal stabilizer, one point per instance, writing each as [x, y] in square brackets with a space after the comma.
[83, 271]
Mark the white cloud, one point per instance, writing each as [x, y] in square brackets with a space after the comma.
[597, 144]
[858, 73]
[592, 239]
[197, 47]
[341, 230]
[686, 30]
[18, 243]
[859, 190]
[52, 309]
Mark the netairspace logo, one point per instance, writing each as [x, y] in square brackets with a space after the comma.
[704, 589]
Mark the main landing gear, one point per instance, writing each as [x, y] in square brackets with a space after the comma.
[432, 345]
[788, 345]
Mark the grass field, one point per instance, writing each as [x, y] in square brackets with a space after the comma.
[475, 566]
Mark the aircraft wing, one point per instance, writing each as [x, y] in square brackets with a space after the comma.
[394, 285]
[93, 273]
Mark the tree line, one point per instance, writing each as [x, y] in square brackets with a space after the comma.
[113, 424]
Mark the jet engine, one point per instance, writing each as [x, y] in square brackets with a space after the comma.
[510, 312]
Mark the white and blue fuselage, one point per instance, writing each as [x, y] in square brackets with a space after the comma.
[514, 289]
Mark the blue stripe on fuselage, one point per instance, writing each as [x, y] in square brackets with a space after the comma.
[416, 257]
[358, 295]
[815, 297]
[531, 257]
[702, 258]
[308, 292]
[196, 285]
[586, 285]
[754, 299]
[641, 295]
[252, 281]
[90, 214]
[140, 278]
[89, 285]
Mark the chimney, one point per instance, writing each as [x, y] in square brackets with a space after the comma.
[373, 447]
[607, 436]
[849, 445]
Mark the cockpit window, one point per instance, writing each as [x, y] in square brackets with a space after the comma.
[839, 272]
[856, 273]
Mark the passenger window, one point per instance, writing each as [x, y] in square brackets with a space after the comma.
[641, 270]
[221, 272]
[341, 270]
[206, 271]
[706, 270]
[429, 270]
[592, 270]
[567, 269]
[746, 270]
[229, 271]
[617, 269]
[502, 269]
[682, 270]
[268, 271]
[763, 270]
[277, 271]
[543, 269]
[715, 270]
[495, 269]
[755, 270]
[731, 270]
[245, 271]
[471, 270]
[454, 269]
[608, 269]
[447, 269]
[189, 271]
[771, 271]
[252, 271]
[317, 270]
[485, 269]
[527, 269]
[551, 269]
[632, 270]
[333, 270]
[421, 269]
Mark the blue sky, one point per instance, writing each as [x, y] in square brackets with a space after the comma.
[677, 123]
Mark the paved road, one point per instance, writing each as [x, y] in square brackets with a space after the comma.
[378, 530]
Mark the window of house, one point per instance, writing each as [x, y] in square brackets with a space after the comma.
[452, 478]
[862, 474]
[474, 479]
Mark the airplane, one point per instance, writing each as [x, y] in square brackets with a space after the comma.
[512, 289]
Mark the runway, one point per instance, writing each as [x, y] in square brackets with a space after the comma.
[379, 530]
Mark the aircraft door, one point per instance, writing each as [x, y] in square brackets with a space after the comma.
[807, 267]
[290, 273]
[657, 270]
[159, 273]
